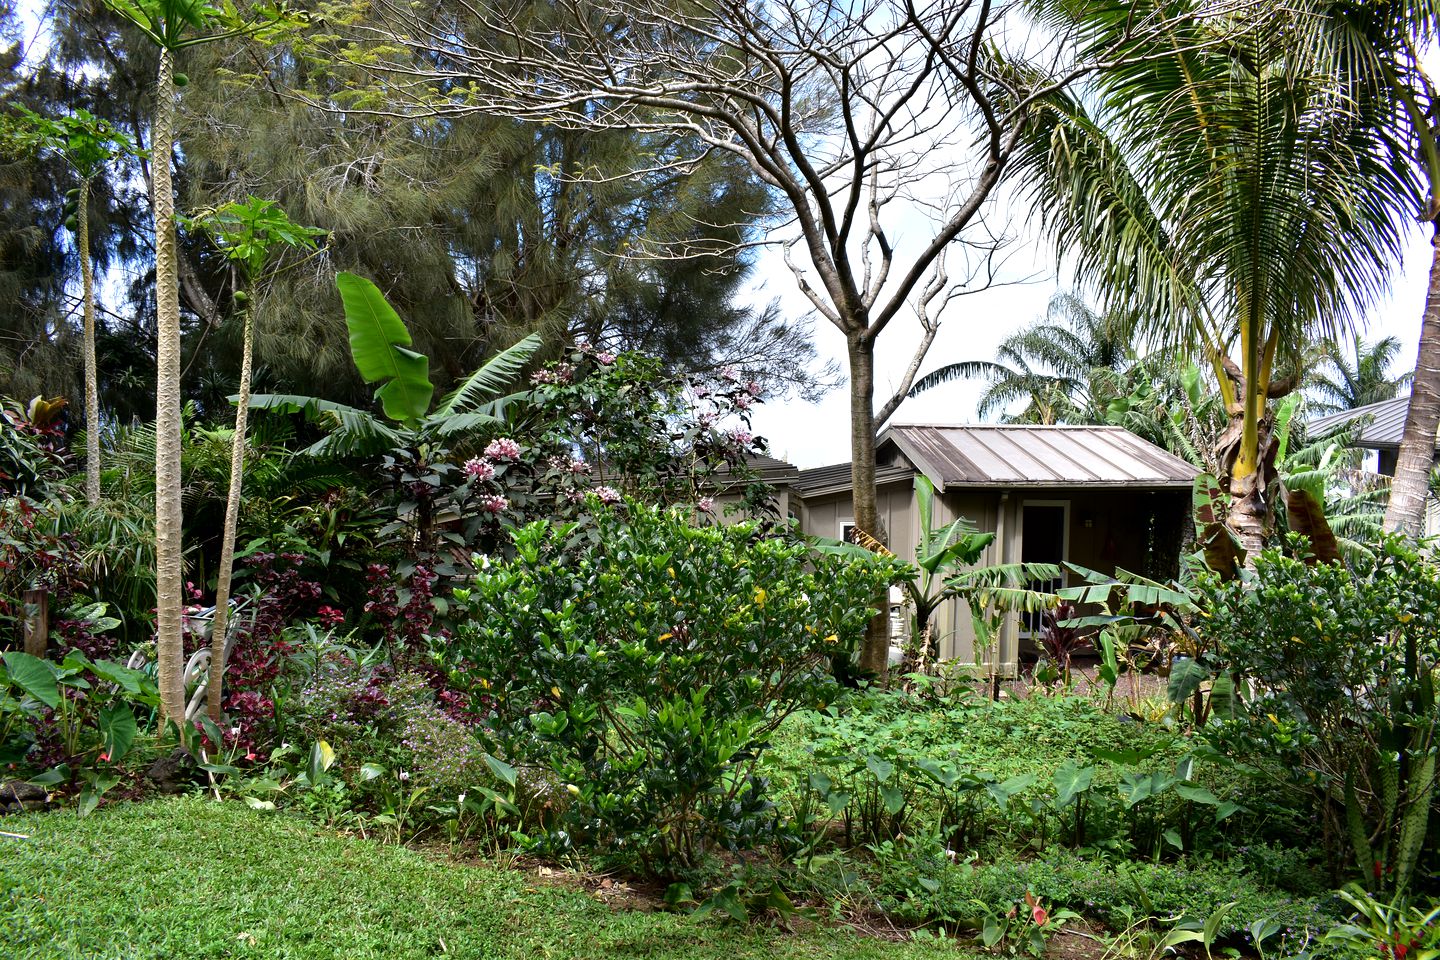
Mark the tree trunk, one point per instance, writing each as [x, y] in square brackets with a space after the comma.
[220, 623]
[36, 604]
[92, 389]
[875, 654]
[1406, 512]
[169, 557]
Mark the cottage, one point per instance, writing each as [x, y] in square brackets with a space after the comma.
[1099, 497]
[1378, 427]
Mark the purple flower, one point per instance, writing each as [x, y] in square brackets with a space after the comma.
[743, 402]
[478, 468]
[503, 449]
[730, 373]
[582, 345]
[706, 505]
[607, 494]
[579, 466]
[605, 358]
[752, 388]
[742, 437]
[493, 503]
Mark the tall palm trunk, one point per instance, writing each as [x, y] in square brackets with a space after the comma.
[92, 389]
[875, 653]
[1406, 512]
[169, 552]
[221, 622]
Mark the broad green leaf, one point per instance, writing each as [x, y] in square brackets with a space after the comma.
[1071, 781]
[34, 676]
[501, 769]
[1186, 675]
[117, 725]
[380, 345]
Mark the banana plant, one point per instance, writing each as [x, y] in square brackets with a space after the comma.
[251, 235]
[383, 353]
[174, 25]
[87, 144]
[415, 431]
[945, 560]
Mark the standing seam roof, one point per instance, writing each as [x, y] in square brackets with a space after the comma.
[1019, 455]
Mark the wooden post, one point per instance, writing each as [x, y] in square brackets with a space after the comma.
[37, 622]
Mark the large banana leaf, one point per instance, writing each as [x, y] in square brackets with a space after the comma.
[380, 345]
[493, 376]
[352, 431]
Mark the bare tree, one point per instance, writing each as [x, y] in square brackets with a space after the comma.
[883, 126]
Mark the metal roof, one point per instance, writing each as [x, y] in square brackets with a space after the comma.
[1384, 423]
[1038, 456]
[836, 478]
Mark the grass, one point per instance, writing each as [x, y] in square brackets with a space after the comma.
[187, 877]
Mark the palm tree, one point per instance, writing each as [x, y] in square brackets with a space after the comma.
[1066, 368]
[1341, 384]
[87, 143]
[1227, 188]
[168, 23]
[250, 234]
[1378, 47]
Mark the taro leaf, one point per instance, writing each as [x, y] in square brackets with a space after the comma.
[1307, 518]
[33, 675]
[883, 769]
[255, 803]
[380, 345]
[1197, 794]
[117, 725]
[1226, 809]
[1136, 787]
[1173, 838]
[1186, 675]
[1071, 781]
[837, 801]
[1002, 792]
[96, 788]
[1218, 543]
[893, 797]
[371, 771]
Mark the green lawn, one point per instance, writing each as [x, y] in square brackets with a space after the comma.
[190, 878]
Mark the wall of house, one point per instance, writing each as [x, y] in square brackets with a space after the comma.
[1106, 529]
[822, 516]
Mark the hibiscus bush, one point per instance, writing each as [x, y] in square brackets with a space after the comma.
[644, 667]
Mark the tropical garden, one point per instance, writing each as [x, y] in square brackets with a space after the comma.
[388, 565]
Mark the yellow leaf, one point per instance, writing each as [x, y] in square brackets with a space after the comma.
[760, 596]
[664, 636]
[556, 692]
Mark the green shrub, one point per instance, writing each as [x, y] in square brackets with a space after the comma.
[1334, 665]
[646, 666]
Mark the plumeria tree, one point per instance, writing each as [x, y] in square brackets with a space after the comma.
[253, 235]
[88, 144]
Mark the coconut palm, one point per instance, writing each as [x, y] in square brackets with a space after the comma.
[1065, 368]
[1229, 189]
[1342, 384]
[87, 143]
[1377, 47]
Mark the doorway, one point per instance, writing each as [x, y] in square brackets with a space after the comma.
[1044, 538]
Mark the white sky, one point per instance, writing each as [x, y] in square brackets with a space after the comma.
[811, 435]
